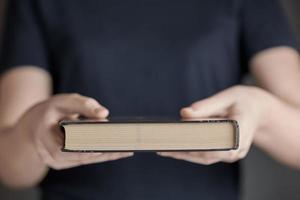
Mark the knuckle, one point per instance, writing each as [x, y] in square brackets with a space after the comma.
[88, 102]
[232, 157]
[231, 160]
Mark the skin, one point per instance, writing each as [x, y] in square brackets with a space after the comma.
[30, 141]
[268, 116]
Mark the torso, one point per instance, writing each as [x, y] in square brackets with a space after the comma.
[144, 58]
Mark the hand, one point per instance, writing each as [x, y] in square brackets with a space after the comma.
[40, 126]
[248, 105]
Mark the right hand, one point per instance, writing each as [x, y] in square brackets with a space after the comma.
[40, 127]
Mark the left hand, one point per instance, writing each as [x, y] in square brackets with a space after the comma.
[248, 105]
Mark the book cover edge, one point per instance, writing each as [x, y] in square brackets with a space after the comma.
[232, 121]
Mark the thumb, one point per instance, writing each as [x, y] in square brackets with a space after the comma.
[214, 106]
[74, 104]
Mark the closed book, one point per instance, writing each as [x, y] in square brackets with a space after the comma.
[150, 135]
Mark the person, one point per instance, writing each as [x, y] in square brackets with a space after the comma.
[62, 59]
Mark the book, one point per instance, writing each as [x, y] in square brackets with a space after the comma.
[149, 135]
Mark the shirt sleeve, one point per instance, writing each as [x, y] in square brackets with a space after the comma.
[23, 41]
[264, 25]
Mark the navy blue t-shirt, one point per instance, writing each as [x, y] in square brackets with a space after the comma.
[142, 58]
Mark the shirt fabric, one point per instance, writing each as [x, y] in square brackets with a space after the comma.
[142, 58]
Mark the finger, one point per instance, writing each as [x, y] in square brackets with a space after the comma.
[72, 117]
[91, 160]
[190, 157]
[216, 105]
[82, 156]
[113, 156]
[75, 156]
[224, 156]
[69, 104]
[205, 157]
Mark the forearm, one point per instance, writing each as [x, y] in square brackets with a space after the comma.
[277, 70]
[20, 89]
[20, 164]
[279, 136]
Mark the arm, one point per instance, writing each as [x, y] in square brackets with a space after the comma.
[278, 71]
[30, 140]
[270, 117]
[19, 90]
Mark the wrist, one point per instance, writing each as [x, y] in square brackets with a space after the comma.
[269, 106]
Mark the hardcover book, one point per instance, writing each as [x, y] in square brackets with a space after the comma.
[150, 135]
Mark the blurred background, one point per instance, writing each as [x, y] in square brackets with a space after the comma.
[262, 178]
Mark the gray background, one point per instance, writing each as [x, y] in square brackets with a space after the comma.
[262, 178]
